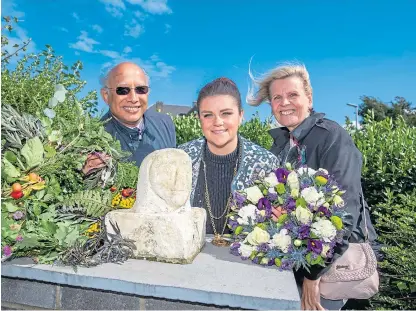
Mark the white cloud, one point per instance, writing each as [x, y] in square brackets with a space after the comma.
[111, 54]
[127, 50]
[114, 7]
[75, 15]
[133, 30]
[97, 28]
[140, 15]
[167, 28]
[63, 29]
[154, 58]
[153, 6]
[84, 43]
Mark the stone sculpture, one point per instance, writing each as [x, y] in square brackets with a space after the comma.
[162, 222]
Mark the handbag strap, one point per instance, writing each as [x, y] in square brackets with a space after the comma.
[366, 234]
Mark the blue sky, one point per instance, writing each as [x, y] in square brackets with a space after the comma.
[351, 48]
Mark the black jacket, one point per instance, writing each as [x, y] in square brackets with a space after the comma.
[158, 133]
[329, 146]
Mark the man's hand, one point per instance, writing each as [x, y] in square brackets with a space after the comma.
[311, 298]
[277, 211]
[94, 160]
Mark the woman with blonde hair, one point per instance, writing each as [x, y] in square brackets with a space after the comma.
[307, 138]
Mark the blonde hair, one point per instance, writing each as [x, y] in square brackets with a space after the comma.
[283, 71]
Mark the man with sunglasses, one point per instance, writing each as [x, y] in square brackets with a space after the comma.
[140, 131]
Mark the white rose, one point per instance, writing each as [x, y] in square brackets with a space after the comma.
[293, 181]
[304, 215]
[338, 201]
[282, 240]
[322, 170]
[246, 250]
[271, 179]
[254, 194]
[246, 212]
[258, 236]
[306, 170]
[324, 229]
[312, 196]
[325, 249]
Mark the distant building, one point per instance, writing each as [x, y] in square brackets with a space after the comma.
[174, 110]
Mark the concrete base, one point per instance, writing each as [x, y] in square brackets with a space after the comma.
[215, 279]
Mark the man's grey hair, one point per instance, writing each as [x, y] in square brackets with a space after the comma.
[106, 74]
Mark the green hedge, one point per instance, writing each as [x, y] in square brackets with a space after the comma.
[389, 179]
[188, 128]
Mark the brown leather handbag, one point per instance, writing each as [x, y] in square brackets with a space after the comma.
[353, 275]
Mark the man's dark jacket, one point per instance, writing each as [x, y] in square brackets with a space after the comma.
[329, 146]
[158, 133]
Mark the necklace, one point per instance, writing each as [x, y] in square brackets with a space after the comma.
[218, 237]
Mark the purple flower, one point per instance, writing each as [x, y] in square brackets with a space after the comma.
[263, 248]
[256, 260]
[286, 264]
[271, 196]
[305, 183]
[265, 204]
[239, 199]
[19, 238]
[281, 174]
[315, 246]
[324, 211]
[304, 231]
[7, 250]
[234, 249]
[18, 215]
[233, 224]
[290, 205]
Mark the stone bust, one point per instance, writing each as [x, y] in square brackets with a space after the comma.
[165, 182]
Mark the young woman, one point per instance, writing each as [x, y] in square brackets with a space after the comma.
[222, 160]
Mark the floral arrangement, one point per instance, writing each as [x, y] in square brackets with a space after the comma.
[291, 218]
[50, 205]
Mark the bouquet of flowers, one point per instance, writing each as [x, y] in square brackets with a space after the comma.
[291, 218]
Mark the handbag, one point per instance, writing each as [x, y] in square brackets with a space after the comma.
[354, 275]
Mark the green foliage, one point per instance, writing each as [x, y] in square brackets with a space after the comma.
[127, 173]
[388, 148]
[257, 131]
[92, 203]
[399, 107]
[188, 128]
[389, 179]
[396, 224]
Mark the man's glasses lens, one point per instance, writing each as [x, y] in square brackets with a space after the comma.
[124, 90]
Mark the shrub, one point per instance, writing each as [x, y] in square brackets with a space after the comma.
[389, 179]
[388, 148]
[255, 130]
[396, 224]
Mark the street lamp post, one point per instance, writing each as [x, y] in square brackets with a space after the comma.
[356, 113]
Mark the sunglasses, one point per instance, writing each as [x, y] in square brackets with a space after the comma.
[124, 90]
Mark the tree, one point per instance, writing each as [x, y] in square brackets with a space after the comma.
[380, 110]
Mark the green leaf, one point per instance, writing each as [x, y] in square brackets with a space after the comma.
[9, 169]
[39, 195]
[72, 237]
[11, 208]
[49, 226]
[50, 151]
[10, 156]
[28, 242]
[238, 230]
[33, 151]
[301, 202]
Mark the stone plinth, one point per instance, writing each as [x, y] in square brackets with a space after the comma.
[214, 280]
[175, 237]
